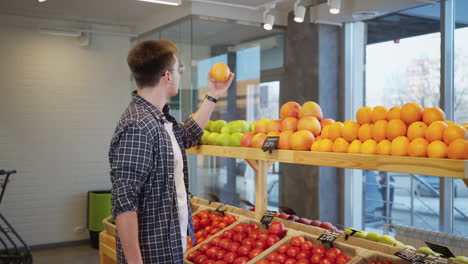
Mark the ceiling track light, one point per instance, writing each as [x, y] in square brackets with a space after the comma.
[40, 1]
[164, 2]
[335, 6]
[299, 12]
[268, 18]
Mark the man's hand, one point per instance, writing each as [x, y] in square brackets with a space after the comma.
[218, 89]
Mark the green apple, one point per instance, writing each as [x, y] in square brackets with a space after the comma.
[386, 239]
[239, 126]
[208, 125]
[252, 127]
[348, 231]
[399, 244]
[223, 139]
[212, 138]
[235, 139]
[217, 125]
[204, 138]
[226, 129]
[462, 259]
[360, 234]
[426, 250]
[373, 236]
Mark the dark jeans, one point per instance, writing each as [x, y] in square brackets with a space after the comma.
[389, 203]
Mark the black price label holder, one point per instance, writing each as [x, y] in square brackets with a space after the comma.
[221, 212]
[430, 259]
[270, 144]
[267, 218]
[328, 237]
[411, 255]
[287, 210]
[353, 231]
[440, 249]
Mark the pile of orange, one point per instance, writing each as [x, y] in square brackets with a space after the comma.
[410, 130]
[297, 127]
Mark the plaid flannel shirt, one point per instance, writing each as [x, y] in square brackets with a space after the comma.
[142, 175]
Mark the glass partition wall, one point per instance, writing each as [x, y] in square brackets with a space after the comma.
[256, 56]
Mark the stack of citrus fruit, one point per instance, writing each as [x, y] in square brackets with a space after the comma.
[297, 127]
[401, 131]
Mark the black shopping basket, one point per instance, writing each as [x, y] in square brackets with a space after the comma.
[13, 249]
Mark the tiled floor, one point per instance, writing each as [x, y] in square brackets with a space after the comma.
[71, 255]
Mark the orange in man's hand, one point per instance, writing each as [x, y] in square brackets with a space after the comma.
[220, 72]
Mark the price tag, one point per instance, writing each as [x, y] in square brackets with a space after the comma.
[267, 218]
[248, 203]
[221, 212]
[411, 255]
[440, 249]
[328, 236]
[435, 260]
[270, 144]
[287, 210]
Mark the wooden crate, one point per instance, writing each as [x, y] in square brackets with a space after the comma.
[107, 252]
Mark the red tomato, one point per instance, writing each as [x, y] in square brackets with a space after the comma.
[204, 222]
[204, 247]
[272, 256]
[221, 262]
[241, 260]
[215, 230]
[234, 246]
[327, 261]
[316, 258]
[203, 214]
[211, 252]
[320, 249]
[196, 224]
[263, 235]
[192, 255]
[255, 252]
[244, 250]
[297, 241]
[222, 224]
[220, 254]
[215, 241]
[230, 257]
[210, 261]
[343, 259]
[200, 259]
[333, 253]
[307, 246]
[274, 262]
[260, 244]
[271, 240]
[239, 237]
[240, 228]
[263, 261]
[281, 258]
[253, 227]
[292, 252]
[225, 243]
[254, 234]
[290, 261]
[277, 228]
[303, 255]
[228, 233]
[248, 242]
[303, 261]
[283, 248]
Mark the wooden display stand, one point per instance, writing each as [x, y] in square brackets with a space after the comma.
[107, 253]
[261, 162]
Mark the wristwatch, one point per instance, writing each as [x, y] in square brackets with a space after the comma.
[211, 98]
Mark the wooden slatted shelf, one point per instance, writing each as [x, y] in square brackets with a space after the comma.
[424, 166]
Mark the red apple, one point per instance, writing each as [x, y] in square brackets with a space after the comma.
[304, 221]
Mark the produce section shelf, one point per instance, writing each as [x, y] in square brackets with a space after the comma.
[424, 166]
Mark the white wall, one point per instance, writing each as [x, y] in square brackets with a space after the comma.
[59, 104]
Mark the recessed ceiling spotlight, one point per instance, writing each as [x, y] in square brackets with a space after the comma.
[40, 1]
[335, 6]
[299, 12]
[164, 2]
[364, 15]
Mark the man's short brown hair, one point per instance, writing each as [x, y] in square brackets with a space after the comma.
[150, 59]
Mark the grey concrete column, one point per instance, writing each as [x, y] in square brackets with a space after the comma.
[312, 66]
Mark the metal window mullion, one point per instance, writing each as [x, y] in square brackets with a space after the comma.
[447, 28]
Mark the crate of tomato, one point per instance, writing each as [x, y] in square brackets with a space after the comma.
[240, 243]
[302, 248]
